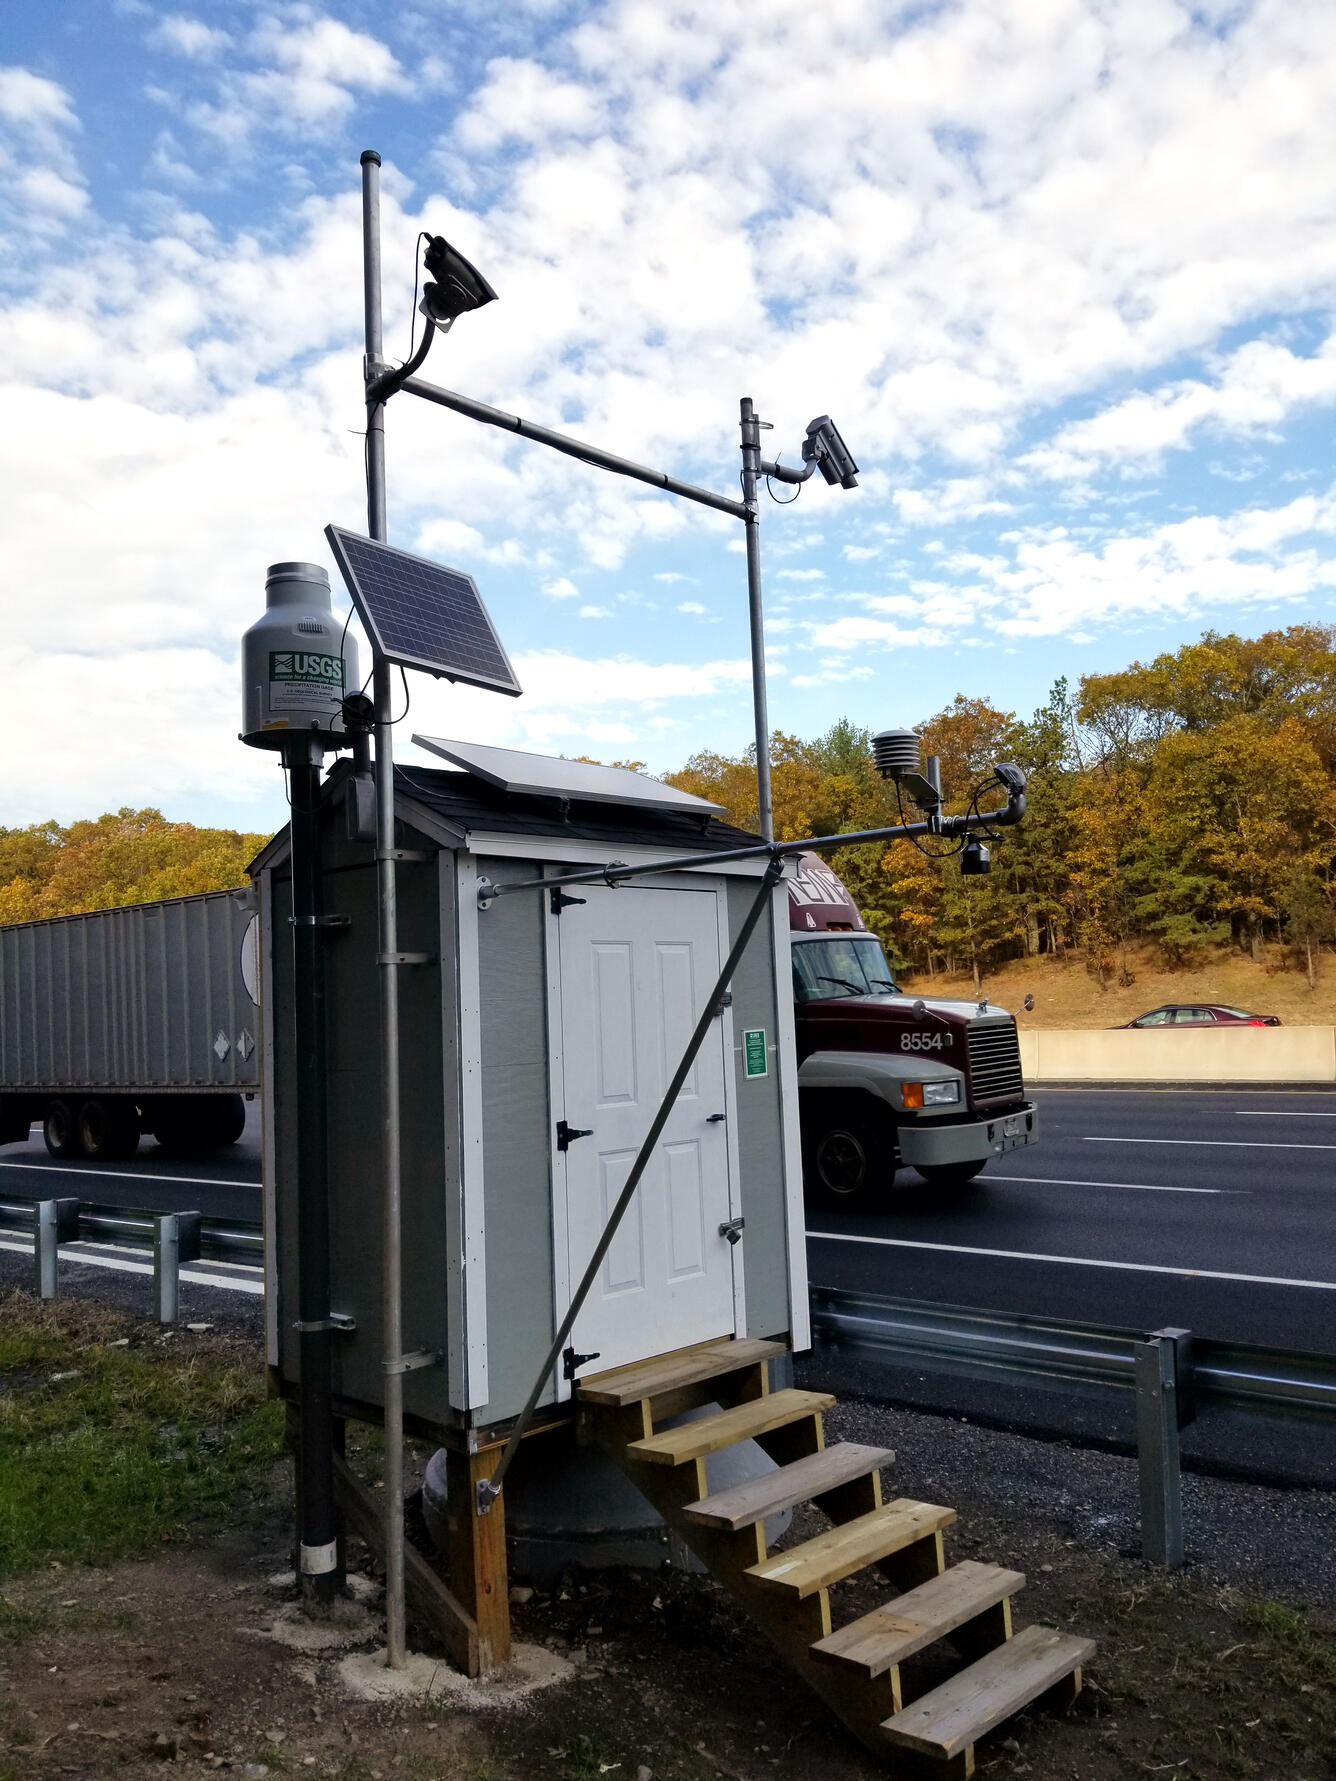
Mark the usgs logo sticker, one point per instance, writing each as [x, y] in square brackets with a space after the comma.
[297, 665]
[300, 680]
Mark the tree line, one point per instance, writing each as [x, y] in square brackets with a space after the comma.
[1189, 802]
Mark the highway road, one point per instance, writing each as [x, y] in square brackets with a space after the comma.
[1213, 1210]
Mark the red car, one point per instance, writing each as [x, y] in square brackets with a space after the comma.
[1201, 1014]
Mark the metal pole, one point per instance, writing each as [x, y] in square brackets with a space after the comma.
[318, 1554]
[389, 975]
[751, 468]
[45, 1250]
[166, 1268]
[1157, 1452]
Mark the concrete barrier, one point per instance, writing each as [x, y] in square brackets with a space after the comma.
[1179, 1054]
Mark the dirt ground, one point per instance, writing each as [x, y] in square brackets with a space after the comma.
[1066, 995]
[189, 1662]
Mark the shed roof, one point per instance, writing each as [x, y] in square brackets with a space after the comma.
[466, 805]
[469, 804]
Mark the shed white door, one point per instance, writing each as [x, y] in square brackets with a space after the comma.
[636, 966]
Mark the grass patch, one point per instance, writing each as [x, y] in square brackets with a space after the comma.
[107, 1450]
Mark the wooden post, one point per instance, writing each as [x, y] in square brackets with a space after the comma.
[476, 1553]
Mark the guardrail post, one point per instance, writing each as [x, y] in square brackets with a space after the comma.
[1156, 1361]
[176, 1239]
[54, 1222]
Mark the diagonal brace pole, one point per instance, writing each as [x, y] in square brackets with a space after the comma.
[489, 1489]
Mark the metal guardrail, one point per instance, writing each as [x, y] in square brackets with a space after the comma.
[988, 1344]
[171, 1237]
[1171, 1372]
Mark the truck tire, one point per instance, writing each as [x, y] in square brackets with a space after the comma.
[60, 1129]
[851, 1160]
[109, 1129]
[191, 1124]
[949, 1174]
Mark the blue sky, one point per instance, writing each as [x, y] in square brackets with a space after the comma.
[1062, 270]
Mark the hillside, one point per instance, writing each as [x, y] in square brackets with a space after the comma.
[1065, 995]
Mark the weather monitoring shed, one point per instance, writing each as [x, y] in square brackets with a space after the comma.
[539, 1031]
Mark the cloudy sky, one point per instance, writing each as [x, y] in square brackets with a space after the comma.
[1063, 271]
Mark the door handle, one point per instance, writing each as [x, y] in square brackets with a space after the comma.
[714, 1118]
[567, 1134]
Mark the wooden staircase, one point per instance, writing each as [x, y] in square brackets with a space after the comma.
[856, 1669]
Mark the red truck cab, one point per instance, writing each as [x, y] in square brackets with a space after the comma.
[887, 1079]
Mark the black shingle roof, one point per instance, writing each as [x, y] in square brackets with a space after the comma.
[468, 803]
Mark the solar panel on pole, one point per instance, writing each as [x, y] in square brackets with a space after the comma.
[421, 615]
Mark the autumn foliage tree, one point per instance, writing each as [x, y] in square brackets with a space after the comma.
[131, 856]
[1189, 802]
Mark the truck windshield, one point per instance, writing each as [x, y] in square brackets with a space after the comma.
[840, 965]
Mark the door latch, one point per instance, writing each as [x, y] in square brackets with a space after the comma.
[733, 1229]
[715, 1118]
[567, 1134]
[570, 1360]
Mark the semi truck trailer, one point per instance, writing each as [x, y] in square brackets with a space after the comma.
[885, 1079]
[131, 1021]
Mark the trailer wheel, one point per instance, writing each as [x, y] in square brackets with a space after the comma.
[949, 1174]
[60, 1129]
[851, 1160]
[109, 1130]
[192, 1124]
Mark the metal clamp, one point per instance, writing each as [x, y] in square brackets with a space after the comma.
[410, 1363]
[320, 921]
[405, 958]
[733, 1229]
[417, 855]
[338, 1321]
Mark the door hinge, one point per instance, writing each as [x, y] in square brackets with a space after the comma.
[570, 1360]
[733, 1229]
[567, 1134]
[561, 900]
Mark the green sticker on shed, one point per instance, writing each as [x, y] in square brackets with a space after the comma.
[753, 1051]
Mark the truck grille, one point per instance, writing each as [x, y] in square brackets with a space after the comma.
[995, 1061]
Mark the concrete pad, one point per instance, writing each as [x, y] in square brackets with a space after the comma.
[365, 1677]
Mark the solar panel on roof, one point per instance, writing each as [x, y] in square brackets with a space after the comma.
[421, 615]
[544, 776]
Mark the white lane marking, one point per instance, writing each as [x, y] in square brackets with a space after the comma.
[1215, 1143]
[129, 1267]
[1074, 1261]
[128, 1174]
[1140, 1187]
[1279, 1113]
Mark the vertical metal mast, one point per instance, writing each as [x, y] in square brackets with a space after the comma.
[389, 949]
[751, 469]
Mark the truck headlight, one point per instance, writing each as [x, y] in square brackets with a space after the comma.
[940, 1094]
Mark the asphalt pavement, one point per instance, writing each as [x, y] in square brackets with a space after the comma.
[1213, 1210]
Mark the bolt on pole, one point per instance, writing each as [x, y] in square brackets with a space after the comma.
[392, 1235]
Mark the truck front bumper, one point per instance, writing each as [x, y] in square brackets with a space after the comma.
[934, 1145]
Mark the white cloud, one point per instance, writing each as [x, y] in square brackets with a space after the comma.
[189, 37]
[692, 606]
[595, 612]
[561, 588]
[1254, 391]
[42, 189]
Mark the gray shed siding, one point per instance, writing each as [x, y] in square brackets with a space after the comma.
[517, 1142]
[129, 1000]
[760, 1137]
[354, 1123]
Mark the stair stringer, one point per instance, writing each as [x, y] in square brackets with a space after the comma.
[792, 1627]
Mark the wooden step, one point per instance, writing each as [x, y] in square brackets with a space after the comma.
[841, 1551]
[621, 1386]
[799, 1482]
[947, 1721]
[890, 1634]
[693, 1440]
